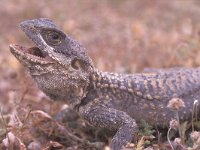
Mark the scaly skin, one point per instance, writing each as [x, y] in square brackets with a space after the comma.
[63, 70]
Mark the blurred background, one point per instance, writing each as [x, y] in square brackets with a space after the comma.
[120, 35]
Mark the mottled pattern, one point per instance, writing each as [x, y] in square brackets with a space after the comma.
[148, 93]
[63, 70]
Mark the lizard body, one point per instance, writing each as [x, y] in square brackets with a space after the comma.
[63, 70]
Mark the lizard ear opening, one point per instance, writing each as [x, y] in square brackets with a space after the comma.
[76, 64]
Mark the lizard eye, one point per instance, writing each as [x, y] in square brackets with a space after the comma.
[76, 64]
[54, 38]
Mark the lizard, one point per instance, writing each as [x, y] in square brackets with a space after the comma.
[63, 70]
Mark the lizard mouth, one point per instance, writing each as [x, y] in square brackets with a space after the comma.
[33, 54]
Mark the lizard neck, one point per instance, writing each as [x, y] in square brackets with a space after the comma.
[106, 85]
[110, 81]
[103, 85]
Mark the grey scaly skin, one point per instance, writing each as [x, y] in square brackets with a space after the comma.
[62, 69]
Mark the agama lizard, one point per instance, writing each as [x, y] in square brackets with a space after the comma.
[63, 70]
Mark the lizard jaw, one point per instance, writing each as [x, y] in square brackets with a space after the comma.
[33, 54]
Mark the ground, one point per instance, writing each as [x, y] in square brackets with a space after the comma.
[121, 36]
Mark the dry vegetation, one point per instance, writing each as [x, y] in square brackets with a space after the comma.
[121, 36]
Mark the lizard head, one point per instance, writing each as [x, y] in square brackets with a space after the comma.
[58, 64]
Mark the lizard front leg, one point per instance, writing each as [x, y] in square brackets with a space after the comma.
[101, 116]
